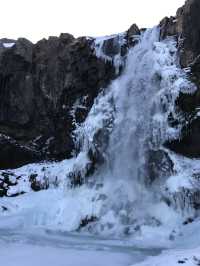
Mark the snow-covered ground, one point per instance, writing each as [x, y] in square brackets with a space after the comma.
[54, 248]
[35, 230]
[190, 257]
[57, 248]
[30, 255]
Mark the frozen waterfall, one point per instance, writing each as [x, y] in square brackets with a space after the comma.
[127, 125]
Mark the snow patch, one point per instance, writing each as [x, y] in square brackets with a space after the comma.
[8, 45]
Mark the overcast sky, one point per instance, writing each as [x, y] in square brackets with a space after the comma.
[35, 19]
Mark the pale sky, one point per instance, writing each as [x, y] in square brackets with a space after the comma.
[35, 19]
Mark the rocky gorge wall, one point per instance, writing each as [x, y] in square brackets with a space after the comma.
[48, 87]
[185, 27]
[41, 85]
[111, 108]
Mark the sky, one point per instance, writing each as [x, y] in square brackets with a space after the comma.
[36, 19]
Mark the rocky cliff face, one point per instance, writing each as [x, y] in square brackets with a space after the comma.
[185, 27]
[45, 89]
[39, 84]
[48, 87]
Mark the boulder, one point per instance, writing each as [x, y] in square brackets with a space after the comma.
[159, 166]
[132, 32]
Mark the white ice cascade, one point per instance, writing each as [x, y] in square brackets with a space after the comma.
[127, 120]
[135, 108]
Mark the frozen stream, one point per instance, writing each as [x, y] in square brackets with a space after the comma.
[50, 248]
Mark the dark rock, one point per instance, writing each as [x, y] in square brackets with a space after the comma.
[14, 155]
[38, 185]
[87, 220]
[159, 165]
[23, 48]
[113, 46]
[47, 88]
[186, 27]
[181, 261]
[188, 221]
[39, 85]
[188, 145]
[76, 179]
[190, 27]
[5, 183]
[168, 27]
[16, 194]
[4, 208]
[3, 192]
[131, 33]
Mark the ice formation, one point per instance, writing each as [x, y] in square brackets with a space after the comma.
[128, 119]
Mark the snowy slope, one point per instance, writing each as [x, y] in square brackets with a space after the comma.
[189, 257]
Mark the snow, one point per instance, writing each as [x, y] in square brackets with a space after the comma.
[54, 173]
[52, 208]
[175, 183]
[185, 171]
[28, 255]
[50, 249]
[190, 257]
[8, 45]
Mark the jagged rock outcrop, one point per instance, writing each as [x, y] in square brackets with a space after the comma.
[119, 44]
[159, 165]
[39, 85]
[185, 27]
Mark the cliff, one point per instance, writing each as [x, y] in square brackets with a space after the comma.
[185, 27]
[48, 87]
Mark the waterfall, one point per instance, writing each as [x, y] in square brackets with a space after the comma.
[118, 145]
[132, 118]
